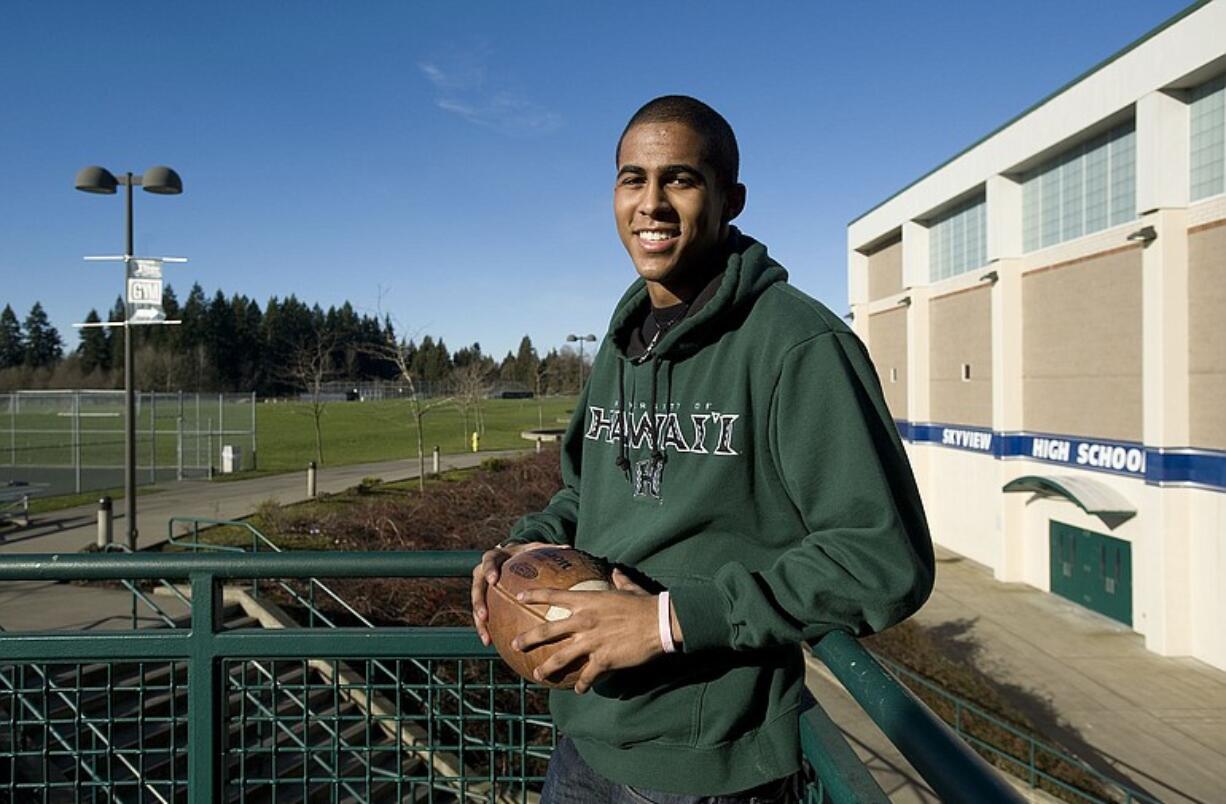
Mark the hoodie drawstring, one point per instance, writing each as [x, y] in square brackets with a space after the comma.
[656, 455]
[623, 461]
[623, 454]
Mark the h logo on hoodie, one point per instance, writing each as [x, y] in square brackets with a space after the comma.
[646, 478]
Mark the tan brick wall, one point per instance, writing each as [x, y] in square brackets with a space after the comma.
[1082, 346]
[1207, 335]
[887, 337]
[961, 332]
[885, 271]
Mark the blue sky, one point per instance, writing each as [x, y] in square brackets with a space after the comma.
[452, 163]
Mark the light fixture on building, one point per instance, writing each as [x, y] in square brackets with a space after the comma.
[990, 276]
[1146, 234]
[850, 315]
[905, 301]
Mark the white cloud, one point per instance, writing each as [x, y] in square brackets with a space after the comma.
[462, 88]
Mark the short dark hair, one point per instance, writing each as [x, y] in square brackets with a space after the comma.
[720, 148]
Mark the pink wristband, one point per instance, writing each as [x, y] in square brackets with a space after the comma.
[666, 624]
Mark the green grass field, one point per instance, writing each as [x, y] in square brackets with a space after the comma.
[353, 432]
[362, 432]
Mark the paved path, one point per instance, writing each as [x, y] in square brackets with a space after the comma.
[36, 605]
[71, 529]
[1087, 682]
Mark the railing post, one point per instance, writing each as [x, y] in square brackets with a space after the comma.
[1034, 781]
[106, 523]
[179, 449]
[203, 698]
[311, 480]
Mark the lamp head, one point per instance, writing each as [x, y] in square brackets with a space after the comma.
[95, 179]
[1145, 235]
[161, 180]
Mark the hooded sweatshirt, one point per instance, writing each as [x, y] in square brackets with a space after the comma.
[747, 463]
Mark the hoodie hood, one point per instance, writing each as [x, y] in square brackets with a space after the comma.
[748, 272]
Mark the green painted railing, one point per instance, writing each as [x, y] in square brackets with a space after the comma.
[1030, 765]
[211, 713]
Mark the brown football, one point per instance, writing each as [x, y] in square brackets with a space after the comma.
[542, 568]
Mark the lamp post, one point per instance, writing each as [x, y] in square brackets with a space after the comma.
[162, 181]
[581, 339]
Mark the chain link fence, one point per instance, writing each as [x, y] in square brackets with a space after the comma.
[73, 441]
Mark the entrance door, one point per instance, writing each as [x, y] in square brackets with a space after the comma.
[1092, 569]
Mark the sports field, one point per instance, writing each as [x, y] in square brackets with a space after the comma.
[36, 444]
[360, 432]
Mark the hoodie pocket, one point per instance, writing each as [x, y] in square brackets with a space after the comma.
[631, 710]
[751, 690]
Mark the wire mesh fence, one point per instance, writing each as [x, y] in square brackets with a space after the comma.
[64, 442]
[97, 731]
[396, 730]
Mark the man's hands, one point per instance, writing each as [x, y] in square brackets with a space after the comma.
[606, 630]
[485, 574]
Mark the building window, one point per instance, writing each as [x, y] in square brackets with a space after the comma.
[1082, 190]
[893, 375]
[1208, 140]
[966, 372]
[957, 240]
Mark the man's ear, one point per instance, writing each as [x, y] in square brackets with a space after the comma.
[734, 203]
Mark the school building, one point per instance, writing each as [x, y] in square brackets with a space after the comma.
[1047, 313]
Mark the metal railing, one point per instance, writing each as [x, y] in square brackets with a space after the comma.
[211, 713]
[1038, 760]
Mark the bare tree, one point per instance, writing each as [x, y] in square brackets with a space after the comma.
[398, 354]
[472, 385]
[539, 374]
[310, 367]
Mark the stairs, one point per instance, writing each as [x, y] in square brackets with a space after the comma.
[303, 730]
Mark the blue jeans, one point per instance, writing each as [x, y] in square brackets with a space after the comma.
[570, 780]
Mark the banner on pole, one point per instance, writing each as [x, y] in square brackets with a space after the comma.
[144, 295]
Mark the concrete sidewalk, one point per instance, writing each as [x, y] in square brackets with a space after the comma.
[71, 529]
[40, 606]
[1087, 682]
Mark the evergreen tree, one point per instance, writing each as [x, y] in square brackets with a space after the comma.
[165, 337]
[467, 356]
[43, 344]
[526, 362]
[507, 371]
[191, 331]
[220, 340]
[249, 324]
[12, 345]
[94, 351]
[431, 362]
[115, 335]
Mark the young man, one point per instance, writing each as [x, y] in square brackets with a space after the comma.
[733, 453]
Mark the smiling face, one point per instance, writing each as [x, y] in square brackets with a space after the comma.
[671, 208]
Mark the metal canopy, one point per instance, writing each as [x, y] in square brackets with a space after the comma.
[1095, 498]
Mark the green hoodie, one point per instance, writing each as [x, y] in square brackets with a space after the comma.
[779, 506]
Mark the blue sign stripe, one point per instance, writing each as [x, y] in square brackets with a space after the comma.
[1204, 468]
[1199, 468]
